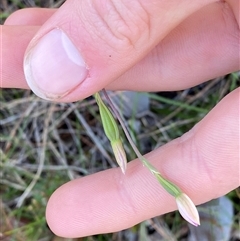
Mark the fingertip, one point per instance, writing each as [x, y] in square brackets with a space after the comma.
[54, 76]
[30, 16]
[87, 206]
[105, 202]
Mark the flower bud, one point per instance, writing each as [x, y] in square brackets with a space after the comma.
[112, 132]
[120, 154]
[109, 124]
[187, 209]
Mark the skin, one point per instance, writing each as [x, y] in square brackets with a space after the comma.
[179, 48]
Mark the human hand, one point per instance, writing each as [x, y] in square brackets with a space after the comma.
[210, 151]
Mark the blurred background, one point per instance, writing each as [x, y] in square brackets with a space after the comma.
[44, 145]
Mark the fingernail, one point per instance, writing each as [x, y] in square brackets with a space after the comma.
[54, 67]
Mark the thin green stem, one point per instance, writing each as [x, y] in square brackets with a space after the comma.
[168, 186]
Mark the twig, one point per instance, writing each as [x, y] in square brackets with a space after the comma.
[42, 153]
[93, 137]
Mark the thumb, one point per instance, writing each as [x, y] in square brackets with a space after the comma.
[87, 44]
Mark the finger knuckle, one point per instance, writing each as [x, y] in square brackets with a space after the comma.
[121, 24]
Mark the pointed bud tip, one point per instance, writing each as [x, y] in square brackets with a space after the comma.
[197, 224]
[123, 169]
[187, 209]
[120, 155]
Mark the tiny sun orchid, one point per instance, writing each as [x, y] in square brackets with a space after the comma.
[187, 209]
[185, 205]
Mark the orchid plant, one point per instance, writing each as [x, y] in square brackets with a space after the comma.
[185, 205]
